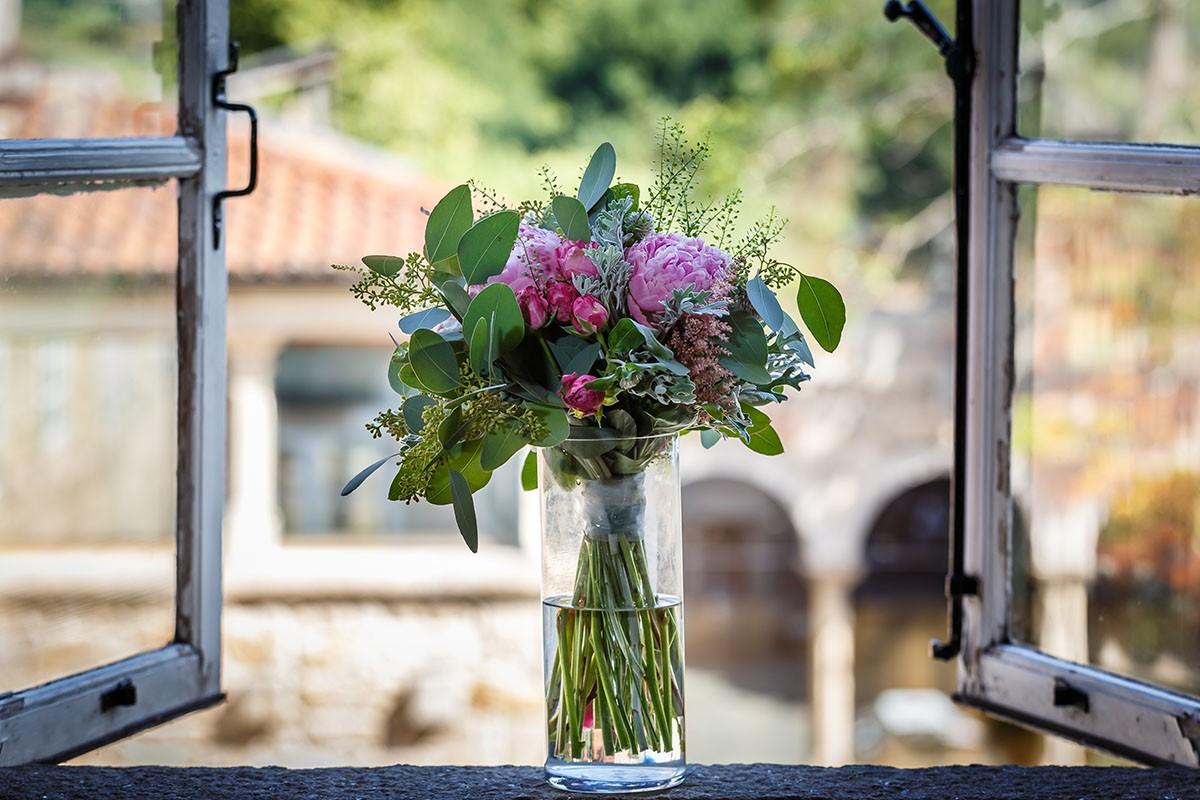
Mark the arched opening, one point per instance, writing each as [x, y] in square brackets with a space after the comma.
[746, 632]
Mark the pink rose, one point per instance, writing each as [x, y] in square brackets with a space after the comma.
[665, 262]
[579, 399]
[534, 307]
[588, 314]
[573, 260]
[561, 297]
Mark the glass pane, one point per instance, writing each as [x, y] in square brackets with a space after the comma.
[87, 430]
[1106, 432]
[87, 68]
[1118, 70]
[326, 394]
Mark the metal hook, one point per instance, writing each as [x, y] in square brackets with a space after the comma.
[220, 100]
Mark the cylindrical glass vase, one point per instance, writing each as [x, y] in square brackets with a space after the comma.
[612, 612]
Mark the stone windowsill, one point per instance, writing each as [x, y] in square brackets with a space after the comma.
[730, 782]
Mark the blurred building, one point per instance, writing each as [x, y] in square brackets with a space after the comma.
[358, 631]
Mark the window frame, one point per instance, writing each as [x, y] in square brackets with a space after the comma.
[69, 716]
[1126, 717]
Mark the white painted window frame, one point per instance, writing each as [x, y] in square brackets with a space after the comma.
[1126, 717]
[67, 716]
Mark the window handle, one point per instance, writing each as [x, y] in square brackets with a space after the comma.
[220, 100]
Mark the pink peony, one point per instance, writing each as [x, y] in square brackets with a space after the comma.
[588, 315]
[533, 260]
[561, 296]
[533, 307]
[574, 261]
[664, 262]
[579, 399]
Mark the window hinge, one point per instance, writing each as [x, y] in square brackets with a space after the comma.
[123, 694]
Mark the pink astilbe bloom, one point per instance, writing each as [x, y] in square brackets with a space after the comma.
[665, 262]
[533, 260]
[696, 342]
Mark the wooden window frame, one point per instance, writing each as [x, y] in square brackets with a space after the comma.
[1127, 717]
[69, 715]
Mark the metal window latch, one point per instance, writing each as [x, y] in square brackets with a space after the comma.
[123, 694]
[1067, 695]
[220, 100]
[959, 56]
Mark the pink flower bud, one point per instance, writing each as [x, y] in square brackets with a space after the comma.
[580, 399]
[589, 315]
[561, 296]
[534, 307]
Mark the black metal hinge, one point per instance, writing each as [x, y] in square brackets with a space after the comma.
[220, 100]
[959, 56]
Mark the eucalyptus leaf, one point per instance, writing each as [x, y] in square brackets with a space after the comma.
[557, 425]
[583, 360]
[529, 472]
[433, 362]
[497, 306]
[794, 340]
[457, 299]
[765, 303]
[413, 408]
[465, 459]
[762, 438]
[501, 445]
[709, 438]
[453, 429]
[357, 480]
[427, 318]
[572, 218]
[629, 335]
[396, 372]
[464, 510]
[387, 266]
[448, 221]
[484, 249]
[598, 175]
[747, 347]
[481, 350]
[823, 311]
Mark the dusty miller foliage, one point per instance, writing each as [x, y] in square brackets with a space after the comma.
[612, 279]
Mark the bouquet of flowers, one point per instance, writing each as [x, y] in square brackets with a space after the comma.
[593, 325]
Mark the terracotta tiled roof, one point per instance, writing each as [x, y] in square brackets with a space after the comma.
[321, 198]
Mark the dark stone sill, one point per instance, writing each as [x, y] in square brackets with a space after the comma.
[725, 782]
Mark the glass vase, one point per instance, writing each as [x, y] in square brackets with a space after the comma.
[612, 612]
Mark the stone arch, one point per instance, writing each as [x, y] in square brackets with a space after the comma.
[745, 597]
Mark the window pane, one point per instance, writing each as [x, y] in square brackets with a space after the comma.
[87, 430]
[325, 396]
[1115, 70]
[1106, 432]
[87, 68]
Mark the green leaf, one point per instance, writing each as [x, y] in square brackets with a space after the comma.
[747, 348]
[497, 306]
[485, 247]
[762, 437]
[387, 266]
[709, 437]
[629, 190]
[629, 335]
[765, 303]
[457, 299]
[428, 318]
[572, 218]
[464, 510]
[398, 369]
[481, 349]
[433, 362]
[583, 359]
[501, 445]
[557, 425]
[794, 340]
[529, 472]
[413, 409]
[598, 175]
[823, 310]
[452, 429]
[357, 480]
[448, 221]
[465, 459]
